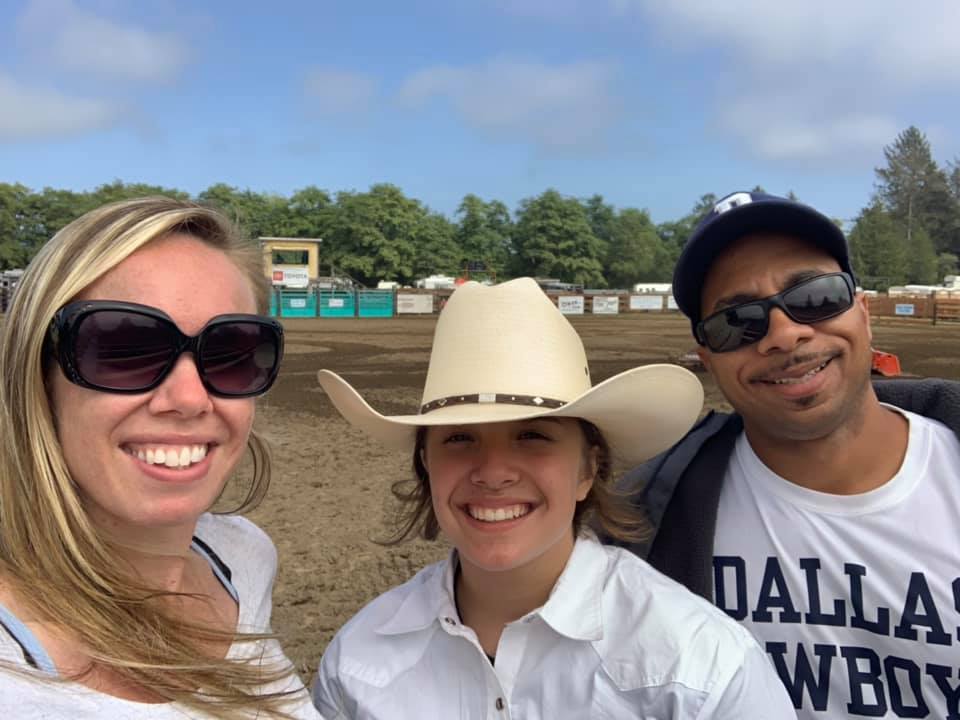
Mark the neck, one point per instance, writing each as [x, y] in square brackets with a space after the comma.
[860, 455]
[489, 600]
[158, 557]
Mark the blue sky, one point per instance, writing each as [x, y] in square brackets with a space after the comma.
[650, 103]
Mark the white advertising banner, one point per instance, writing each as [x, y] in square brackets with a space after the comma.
[291, 277]
[606, 305]
[570, 304]
[671, 303]
[409, 304]
[646, 302]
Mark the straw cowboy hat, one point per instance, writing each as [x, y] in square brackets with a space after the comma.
[505, 352]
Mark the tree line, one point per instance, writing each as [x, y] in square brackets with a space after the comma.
[910, 232]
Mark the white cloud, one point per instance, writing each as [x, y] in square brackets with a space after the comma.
[891, 41]
[28, 113]
[799, 81]
[561, 106]
[336, 92]
[781, 131]
[77, 41]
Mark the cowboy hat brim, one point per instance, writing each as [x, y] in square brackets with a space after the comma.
[640, 412]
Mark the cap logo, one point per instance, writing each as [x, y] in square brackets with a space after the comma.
[732, 201]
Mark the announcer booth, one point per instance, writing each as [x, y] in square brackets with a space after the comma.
[292, 264]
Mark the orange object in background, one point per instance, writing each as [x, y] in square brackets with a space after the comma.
[886, 364]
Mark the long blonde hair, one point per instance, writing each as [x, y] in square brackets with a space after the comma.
[51, 556]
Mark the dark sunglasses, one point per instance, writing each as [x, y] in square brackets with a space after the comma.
[807, 302]
[120, 347]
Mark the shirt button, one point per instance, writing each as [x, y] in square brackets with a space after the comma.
[499, 703]
[450, 621]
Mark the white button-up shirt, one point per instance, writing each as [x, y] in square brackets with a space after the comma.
[616, 639]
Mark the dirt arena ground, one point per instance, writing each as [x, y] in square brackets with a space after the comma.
[330, 495]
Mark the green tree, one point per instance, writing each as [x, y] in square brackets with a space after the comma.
[483, 233]
[916, 190]
[258, 214]
[602, 218]
[921, 259]
[14, 249]
[677, 232]
[553, 239]
[634, 250]
[947, 264]
[372, 237]
[436, 249]
[118, 190]
[877, 250]
[310, 213]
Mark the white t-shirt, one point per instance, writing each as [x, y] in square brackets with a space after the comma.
[856, 598]
[252, 562]
[615, 640]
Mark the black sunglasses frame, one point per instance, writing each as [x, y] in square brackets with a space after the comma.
[775, 301]
[62, 335]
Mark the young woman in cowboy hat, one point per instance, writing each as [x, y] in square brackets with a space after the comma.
[530, 616]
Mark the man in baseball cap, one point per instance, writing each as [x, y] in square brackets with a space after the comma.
[824, 512]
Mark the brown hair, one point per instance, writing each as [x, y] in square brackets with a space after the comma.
[604, 507]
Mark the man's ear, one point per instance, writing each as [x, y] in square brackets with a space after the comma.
[861, 300]
[704, 356]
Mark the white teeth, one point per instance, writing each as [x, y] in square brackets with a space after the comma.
[803, 378]
[171, 457]
[498, 514]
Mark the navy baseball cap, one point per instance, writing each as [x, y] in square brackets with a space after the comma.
[743, 213]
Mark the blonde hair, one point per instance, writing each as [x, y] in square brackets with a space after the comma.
[51, 556]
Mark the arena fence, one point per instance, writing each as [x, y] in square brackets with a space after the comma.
[408, 301]
[946, 309]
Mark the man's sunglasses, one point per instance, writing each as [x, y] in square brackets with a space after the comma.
[120, 347]
[807, 302]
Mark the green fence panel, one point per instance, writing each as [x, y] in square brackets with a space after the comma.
[375, 303]
[337, 303]
[298, 303]
[273, 303]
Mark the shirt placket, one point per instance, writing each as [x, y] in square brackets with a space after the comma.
[497, 704]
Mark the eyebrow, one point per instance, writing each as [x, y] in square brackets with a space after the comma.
[793, 279]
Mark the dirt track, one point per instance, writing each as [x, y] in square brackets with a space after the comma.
[330, 494]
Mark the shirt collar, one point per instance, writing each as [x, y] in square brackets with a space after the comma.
[429, 601]
[574, 608]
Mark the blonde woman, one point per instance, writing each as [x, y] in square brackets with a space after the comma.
[530, 616]
[129, 364]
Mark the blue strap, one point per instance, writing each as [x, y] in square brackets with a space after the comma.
[217, 565]
[33, 651]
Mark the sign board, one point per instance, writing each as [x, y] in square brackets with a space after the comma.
[903, 309]
[570, 304]
[292, 277]
[671, 303]
[335, 302]
[298, 302]
[408, 304]
[606, 305]
[646, 302]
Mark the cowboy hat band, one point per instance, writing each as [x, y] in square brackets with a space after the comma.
[502, 398]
